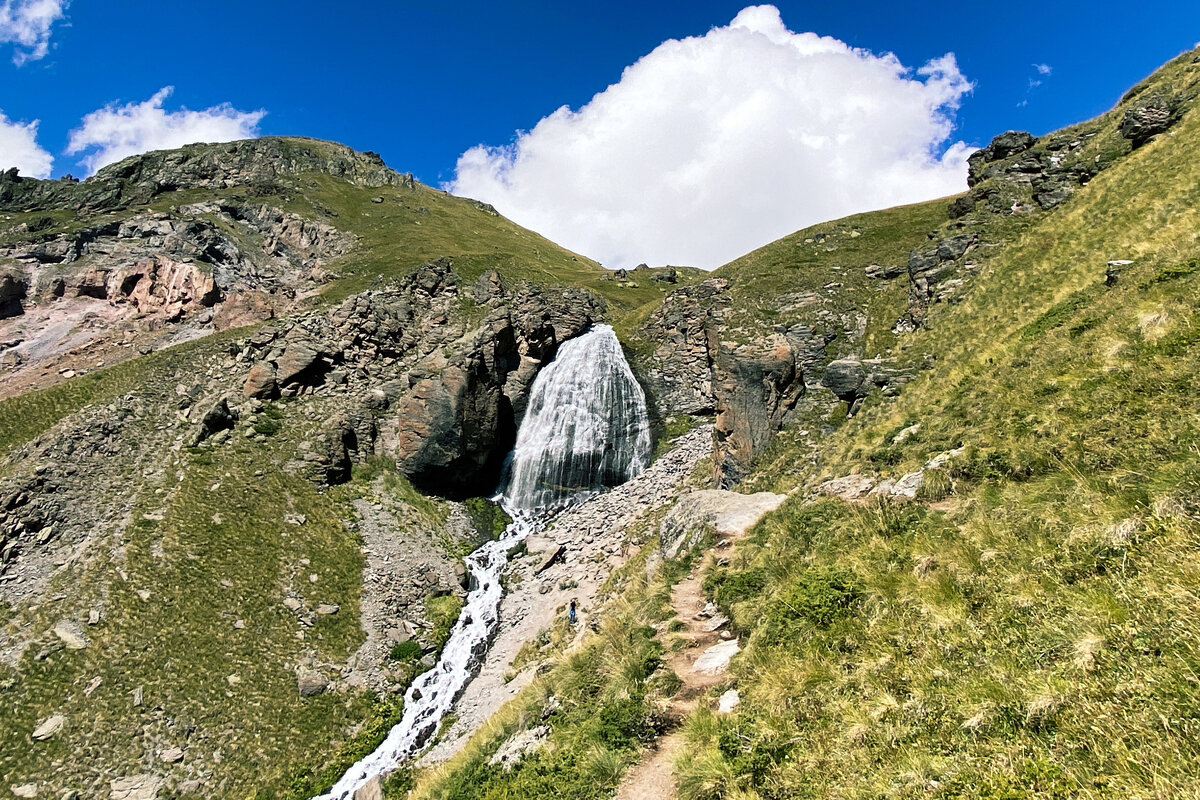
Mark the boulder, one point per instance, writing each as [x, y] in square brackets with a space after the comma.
[311, 683]
[846, 378]
[261, 382]
[48, 727]
[219, 417]
[727, 514]
[371, 790]
[519, 745]
[715, 660]
[885, 272]
[172, 755]
[1148, 118]
[548, 558]
[299, 357]
[135, 787]
[1001, 147]
[71, 634]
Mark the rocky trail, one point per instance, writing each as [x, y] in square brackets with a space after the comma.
[705, 648]
[701, 664]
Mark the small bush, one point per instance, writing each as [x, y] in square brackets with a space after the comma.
[405, 651]
[727, 587]
[488, 518]
[269, 426]
[443, 613]
[818, 598]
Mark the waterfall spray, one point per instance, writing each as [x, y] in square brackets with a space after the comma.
[586, 427]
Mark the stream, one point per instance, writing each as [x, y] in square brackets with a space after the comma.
[586, 428]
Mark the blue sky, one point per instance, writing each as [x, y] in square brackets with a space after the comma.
[423, 83]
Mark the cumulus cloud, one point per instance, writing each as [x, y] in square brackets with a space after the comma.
[25, 24]
[19, 148]
[114, 132]
[1043, 69]
[713, 145]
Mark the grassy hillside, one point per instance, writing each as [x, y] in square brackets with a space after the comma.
[823, 267]
[1027, 626]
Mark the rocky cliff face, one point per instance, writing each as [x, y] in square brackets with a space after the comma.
[426, 372]
[439, 390]
[749, 387]
[204, 266]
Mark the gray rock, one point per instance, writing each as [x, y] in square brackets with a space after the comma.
[371, 790]
[135, 787]
[886, 272]
[219, 417]
[71, 634]
[1148, 118]
[519, 745]
[548, 558]
[298, 358]
[846, 378]
[311, 683]
[48, 727]
[727, 514]
[172, 755]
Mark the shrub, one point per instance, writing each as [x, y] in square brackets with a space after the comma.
[405, 651]
[443, 613]
[817, 599]
[727, 587]
[488, 518]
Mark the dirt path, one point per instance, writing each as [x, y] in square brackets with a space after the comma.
[701, 664]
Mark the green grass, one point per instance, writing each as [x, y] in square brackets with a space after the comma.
[415, 226]
[1027, 627]
[1030, 634]
[211, 545]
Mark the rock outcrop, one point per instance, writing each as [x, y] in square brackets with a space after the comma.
[440, 394]
[749, 387]
[724, 513]
[1148, 118]
[268, 163]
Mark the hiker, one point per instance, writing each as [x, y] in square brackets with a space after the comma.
[571, 613]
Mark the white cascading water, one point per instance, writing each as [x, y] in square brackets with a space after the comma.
[586, 427]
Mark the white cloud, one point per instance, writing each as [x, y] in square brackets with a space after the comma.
[1043, 69]
[19, 148]
[25, 24]
[115, 132]
[713, 145]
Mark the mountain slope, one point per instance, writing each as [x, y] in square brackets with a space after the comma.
[214, 579]
[981, 584]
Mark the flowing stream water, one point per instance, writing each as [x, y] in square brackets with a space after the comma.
[586, 427]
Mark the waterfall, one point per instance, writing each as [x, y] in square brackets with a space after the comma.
[585, 428]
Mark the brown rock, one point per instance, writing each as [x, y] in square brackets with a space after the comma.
[261, 381]
[244, 308]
